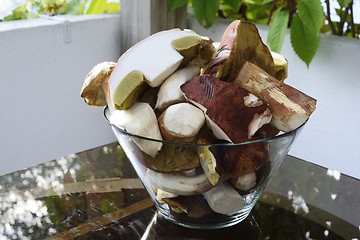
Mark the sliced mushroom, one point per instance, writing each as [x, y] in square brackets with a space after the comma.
[246, 182]
[224, 199]
[193, 206]
[170, 92]
[161, 195]
[208, 162]
[179, 183]
[240, 43]
[281, 65]
[151, 60]
[240, 160]
[92, 90]
[140, 119]
[226, 107]
[289, 107]
[172, 158]
[181, 122]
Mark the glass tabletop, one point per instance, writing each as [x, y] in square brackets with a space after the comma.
[96, 194]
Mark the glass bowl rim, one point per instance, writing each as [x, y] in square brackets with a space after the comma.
[267, 139]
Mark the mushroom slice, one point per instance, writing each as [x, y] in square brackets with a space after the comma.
[170, 92]
[161, 195]
[241, 42]
[181, 122]
[138, 64]
[140, 119]
[226, 107]
[172, 158]
[208, 162]
[289, 107]
[240, 160]
[179, 183]
[281, 65]
[246, 182]
[193, 206]
[224, 199]
[92, 90]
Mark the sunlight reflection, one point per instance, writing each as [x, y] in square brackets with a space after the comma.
[335, 174]
[307, 236]
[17, 209]
[298, 202]
[333, 196]
[22, 213]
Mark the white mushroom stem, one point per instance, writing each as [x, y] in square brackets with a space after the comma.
[245, 182]
[161, 194]
[224, 199]
[178, 183]
[105, 89]
[170, 92]
[141, 120]
[290, 108]
[208, 163]
[181, 122]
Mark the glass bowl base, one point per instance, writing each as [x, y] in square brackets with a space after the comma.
[222, 221]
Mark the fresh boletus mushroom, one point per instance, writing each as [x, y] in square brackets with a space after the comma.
[232, 113]
[290, 108]
[141, 120]
[93, 90]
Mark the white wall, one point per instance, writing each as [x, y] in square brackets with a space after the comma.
[42, 69]
[332, 135]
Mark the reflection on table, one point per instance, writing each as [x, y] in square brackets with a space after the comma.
[96, 194]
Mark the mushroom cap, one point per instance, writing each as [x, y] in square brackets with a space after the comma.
[226, 105]
[92, 90]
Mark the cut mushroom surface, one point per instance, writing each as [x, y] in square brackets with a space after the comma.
[240, 43]
[289, 107]
[179, 183]
[224, 199]
[137, 64]
[225, 106]
[141, 120]
[181, 122]
[170, 92]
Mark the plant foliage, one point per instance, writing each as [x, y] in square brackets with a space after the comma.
[36, 8]
[305, 18]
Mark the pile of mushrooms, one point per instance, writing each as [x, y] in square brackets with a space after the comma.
[177, 86]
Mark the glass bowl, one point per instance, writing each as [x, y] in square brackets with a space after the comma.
[207, 186]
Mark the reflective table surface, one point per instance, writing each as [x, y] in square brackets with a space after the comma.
[96, 194]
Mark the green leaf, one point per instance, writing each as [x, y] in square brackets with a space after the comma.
[102, 6]
[311, 13]
[76, 7]
[304, 40]
[278, 29]
[344, 3]
[17, 14]
[233, 4]
[175, 4]
[205, 11]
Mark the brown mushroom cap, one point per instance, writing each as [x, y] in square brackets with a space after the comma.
[240, 43]
[92, 90]
[224, 103]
